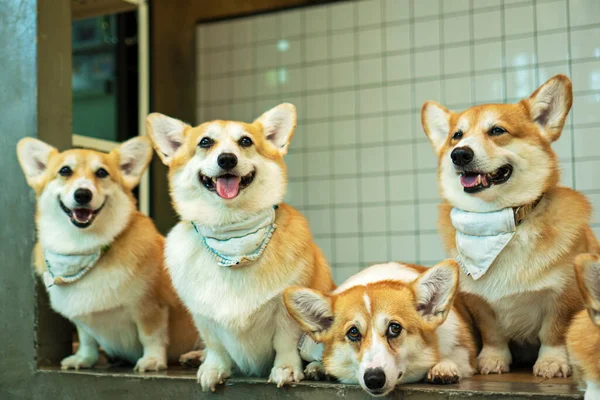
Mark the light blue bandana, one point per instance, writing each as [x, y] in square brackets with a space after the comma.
[309, 349]
[241, 242]
[68, 268]
[481, 237]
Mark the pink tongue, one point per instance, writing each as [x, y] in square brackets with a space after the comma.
[228, 186]
[82, 214]
[469, 181]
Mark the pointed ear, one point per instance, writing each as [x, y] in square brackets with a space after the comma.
[549, 106]
[133, 157]
[279, 124]
[166, 134]
[435, 119]
[435, 290]
[587, 270]
[311, 309]
[34, 155]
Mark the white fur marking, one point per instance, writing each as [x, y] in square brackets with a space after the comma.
[367, 303]
[377, 273]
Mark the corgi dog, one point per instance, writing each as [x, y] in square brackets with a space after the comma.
[237, 246]
[390, 323]
[583, 337]
[101, 259]
[513, 229]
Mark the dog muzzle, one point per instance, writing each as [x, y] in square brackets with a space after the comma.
[481, 237]
[68, 268]
[241, 242]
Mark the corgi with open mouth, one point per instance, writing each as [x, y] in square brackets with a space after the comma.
[513, 229]
[238, 246]
[101, 259]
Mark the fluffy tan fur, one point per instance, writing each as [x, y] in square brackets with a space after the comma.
[529, 294]
[130, 276]
[583, 337]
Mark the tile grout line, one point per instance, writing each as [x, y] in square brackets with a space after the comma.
[415, 124]
[330, 150]
[386, 155]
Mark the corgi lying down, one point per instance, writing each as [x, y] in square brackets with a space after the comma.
[101, 259]
[237, 246]
[514, 230]
[390, 323]
[583, 337]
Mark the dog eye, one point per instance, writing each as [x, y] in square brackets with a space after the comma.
[394, 330]
[245, 141]
[101, 173]
[353, 334]
[206, 143]
[497, 130]
[65, 171]
[457, 135]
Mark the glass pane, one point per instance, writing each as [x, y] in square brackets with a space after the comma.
[94, 77]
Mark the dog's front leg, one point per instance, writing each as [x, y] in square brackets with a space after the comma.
[553, 361]
[288, 364]
[217, 364]
[495, 356]
[87, 354]
[153, 332]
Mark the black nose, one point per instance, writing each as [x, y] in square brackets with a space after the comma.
[462, 155]
[83, 196]
[227, 161]
[374, 378]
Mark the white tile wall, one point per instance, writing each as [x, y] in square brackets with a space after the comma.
[360, 167]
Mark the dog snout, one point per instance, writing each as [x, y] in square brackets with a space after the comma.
[461, 156]
[227, 161]
[83, 196]
[374, 378]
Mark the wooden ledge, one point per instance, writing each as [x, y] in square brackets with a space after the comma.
[515, 386]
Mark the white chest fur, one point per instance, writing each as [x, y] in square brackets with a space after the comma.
[239, 304]
[226, 295]
[102, 289]
[521, 275]
[100, 302]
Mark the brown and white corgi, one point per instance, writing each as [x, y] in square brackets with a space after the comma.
[583, 337]
[101, 259]
[513, 229]
[390, 323]
[237, 246]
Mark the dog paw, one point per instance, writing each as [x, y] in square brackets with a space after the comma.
[315, 371]
[209, 376]
[77, 361]
[444, 373]
[552, 368]
[493, 361]
[192, 358]
[150, 363]
[285, 374]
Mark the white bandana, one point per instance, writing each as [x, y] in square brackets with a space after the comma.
[309, 349]
[241, 242]
[481, 237]
[68, 268]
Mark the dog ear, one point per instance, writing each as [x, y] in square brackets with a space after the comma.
[167, 135]
[133, 157]
[549, 106]
[34, 155]
[435, 119]
[279, 124]
[311, 309]
[435, 290]
[587, 270]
